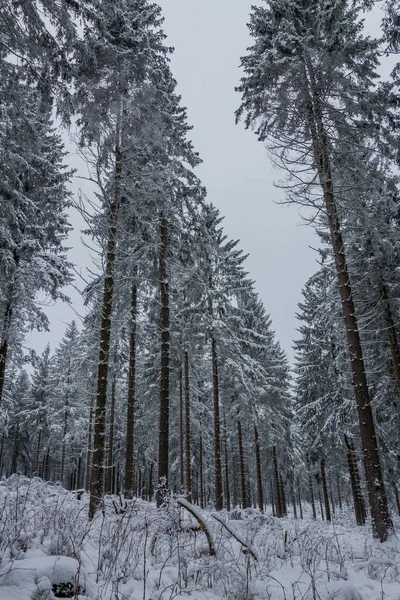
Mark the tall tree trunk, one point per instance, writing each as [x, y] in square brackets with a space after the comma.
[396, 496]
[277, 486]
[273, 503]
[227, 491]
[181, 434]
[219, 501]
[325, 491]
[63, 444]
[163, 447]
[312, 497]
[37, 453]
[245, 503]
[373, 473]
[79, 472]
[201, 469]
[283, 495]
[97, 475]
[299, 495]
[4, 345]
[89, 445]
[1, 454]
[339, 491]
[320, 502]
[260, 500]
[111, 438]
[130, 416]
[15, 454]
[355, 483]
[293, 500]
[392, 333]
[187, 431]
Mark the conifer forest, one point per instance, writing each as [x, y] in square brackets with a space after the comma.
[167, 447]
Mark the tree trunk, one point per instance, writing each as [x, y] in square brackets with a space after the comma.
[325, 491]
[181, 434]
[373, 473]
[37, 453]
[355, 483]
[63, 444]
[227, 492]
[187, 431]
[283, 495]
[299, 494]
[260, 500]
[96, 484]
[219, 502]
[320, 502]
[245, 503]
[396, 496]
[4, 345]
[339, 491]
[273, 503]
[1, 454]
[293, 501]
[201, 468]
[392, 333]
[89, 446]
[312, 498]
[15, 454]
[111, 438]
[163, 447]
[130, 416]
[277, 486]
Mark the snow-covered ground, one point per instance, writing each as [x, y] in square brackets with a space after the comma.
[137, 552]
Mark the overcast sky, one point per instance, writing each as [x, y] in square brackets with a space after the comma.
[209, 37]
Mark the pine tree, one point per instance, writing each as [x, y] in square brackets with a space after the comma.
[308, 88]
[33, 216]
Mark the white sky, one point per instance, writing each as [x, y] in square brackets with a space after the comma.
[209, 37]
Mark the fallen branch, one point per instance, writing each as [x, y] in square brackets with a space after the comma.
[247, 549]
[194, 511]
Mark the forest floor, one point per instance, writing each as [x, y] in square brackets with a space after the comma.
[138, 552]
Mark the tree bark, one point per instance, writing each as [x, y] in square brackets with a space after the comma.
[243, 489]
[219, 502]
[111, 439]
[339, 493]
[163, 447]
[260, 499]
[277, 486]
[396, 496]
[63, 443]
[312, 497]
[392, 333]
[325, 491]
[37, 453]
[359, 509]
[283, 495]
[181, 434]
[4, 345]
[201, 468]
[299, 494]
[89, 445]
[227, 491]
[97, 475]
[380, 517]
[187, 431]
[15, 454]
[130, 416]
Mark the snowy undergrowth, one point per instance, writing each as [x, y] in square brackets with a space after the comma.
[134, 551]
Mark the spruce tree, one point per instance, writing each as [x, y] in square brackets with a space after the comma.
[307, 89]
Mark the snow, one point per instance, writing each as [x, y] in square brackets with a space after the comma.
[148, 553]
